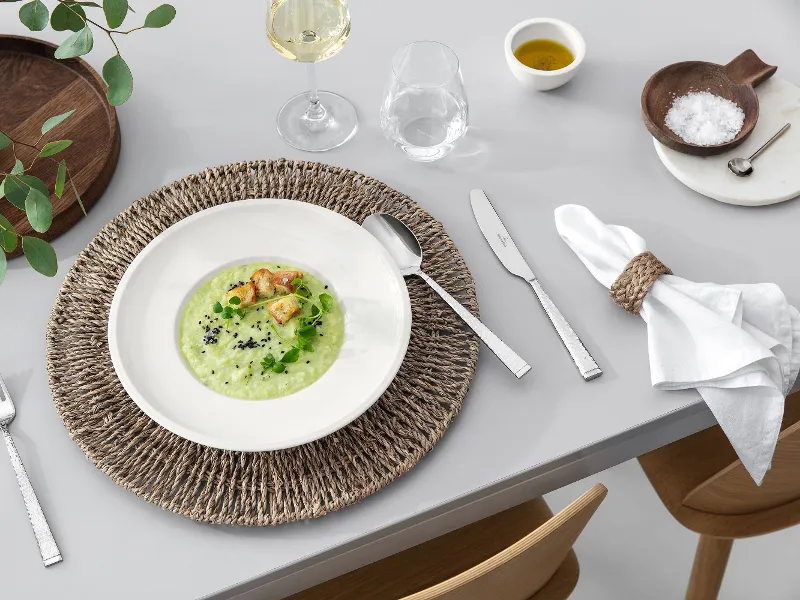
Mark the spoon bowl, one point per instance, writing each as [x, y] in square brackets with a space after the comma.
[735, 82]
[741, 167]
[398, 239]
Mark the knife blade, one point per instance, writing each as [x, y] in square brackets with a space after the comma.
[498, 237]
[506, 250]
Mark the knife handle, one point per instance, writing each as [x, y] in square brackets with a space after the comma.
[583, 360]
[507, 356]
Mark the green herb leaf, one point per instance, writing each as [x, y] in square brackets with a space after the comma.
[295, 282]
[217, 307]
[307, 331]
[77, 196]
[51, 148]
[268, 362]
[61, 178]
[68, 17]
[160, 16]
[18, 168]
[39, 210]
[53, 121]
[115, 11]
[40, 255]
[314, 310]
[119, 78]
[309, 347]
[326, 300]
[4, 140]
[279, 368]
[291, 356]
[16, 188]
[234, 300]
[34, 15]
[8, 238]
[240, 313]
[77, 44]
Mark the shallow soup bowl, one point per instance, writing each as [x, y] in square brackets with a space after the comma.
[550, 29]
[143, 326]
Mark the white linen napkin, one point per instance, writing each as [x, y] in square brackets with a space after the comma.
[738, 345]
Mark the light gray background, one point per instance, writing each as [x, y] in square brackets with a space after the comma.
[207, 91]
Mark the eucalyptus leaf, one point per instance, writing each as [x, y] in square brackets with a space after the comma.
[35, 182]
[40, 255]
[15, 191]
[8, 238]
[160, 16]
[61, 178]
[119, 78]
[4, 140]
[3, 266]
[18, 167]
[115, 11]
[77, 196]
[68, 16]
[39, 210]
[34, 15]
[77, 44]
[51, 148]
[92, 4]
[53, 121]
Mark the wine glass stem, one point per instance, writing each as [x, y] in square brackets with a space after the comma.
[316, 118]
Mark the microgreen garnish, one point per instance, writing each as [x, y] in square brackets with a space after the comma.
[291, 356]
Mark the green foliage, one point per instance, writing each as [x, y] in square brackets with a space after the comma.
[115, 11]
[53, 121]
[38, 210]
[160, 17]
[4, 140]
[51, 148]
[68, 17]
[34, 15]
[61, 178]
[79, 43]
[8, 237]
[40, 255]
[119, 78]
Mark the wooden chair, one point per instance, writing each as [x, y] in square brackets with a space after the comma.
[524, 553]
[706, 488]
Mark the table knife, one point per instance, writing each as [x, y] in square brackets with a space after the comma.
[506, 250]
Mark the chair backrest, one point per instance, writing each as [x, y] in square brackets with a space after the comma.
[731, 491]
[523, 568]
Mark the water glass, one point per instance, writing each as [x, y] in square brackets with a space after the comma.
[424, 109]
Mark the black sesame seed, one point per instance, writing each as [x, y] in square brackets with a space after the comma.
[237, 366]
[326, 287]
[308, 362]
[212, 371]
[226, 383]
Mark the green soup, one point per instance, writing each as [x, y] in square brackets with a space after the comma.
[228, 355]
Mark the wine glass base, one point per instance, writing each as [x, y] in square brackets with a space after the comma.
[341, 127]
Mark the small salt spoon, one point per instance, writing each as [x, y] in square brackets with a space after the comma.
[744, 166]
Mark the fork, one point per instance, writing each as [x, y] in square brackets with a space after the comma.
[44, 537]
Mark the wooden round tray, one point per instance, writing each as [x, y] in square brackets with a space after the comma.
[36, 86]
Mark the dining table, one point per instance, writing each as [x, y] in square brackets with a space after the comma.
[207, 90]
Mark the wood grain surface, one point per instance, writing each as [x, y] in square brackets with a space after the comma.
[35, 86]
[734, 81]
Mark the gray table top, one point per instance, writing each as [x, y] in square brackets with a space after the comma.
[207, 91]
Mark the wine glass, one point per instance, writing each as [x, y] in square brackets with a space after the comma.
[310, 31]
[424, 110]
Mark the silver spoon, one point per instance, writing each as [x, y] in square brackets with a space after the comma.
[404, 247]
[744, 166]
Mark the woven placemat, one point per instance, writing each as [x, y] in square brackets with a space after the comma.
[259, 488]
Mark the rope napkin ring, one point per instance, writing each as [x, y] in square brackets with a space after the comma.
[636, 279]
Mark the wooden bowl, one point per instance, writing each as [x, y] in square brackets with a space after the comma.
[735, 81]
[34, 86]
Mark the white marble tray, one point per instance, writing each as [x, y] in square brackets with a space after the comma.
[776, 175]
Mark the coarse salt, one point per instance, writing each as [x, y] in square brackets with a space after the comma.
[704, 119]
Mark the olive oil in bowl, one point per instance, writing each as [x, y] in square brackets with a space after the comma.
[544, 55]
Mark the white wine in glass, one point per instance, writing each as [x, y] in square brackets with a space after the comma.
[310, 31]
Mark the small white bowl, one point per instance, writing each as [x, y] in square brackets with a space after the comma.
[551, 29]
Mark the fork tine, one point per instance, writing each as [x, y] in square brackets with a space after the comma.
[5, 395]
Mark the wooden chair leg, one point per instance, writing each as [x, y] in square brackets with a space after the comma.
[710, 561]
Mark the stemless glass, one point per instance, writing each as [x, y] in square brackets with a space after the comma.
[424, 109]
[310, 31]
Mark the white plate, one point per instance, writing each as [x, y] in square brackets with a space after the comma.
[143, 323]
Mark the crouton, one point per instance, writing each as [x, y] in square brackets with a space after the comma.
[246, 294]
[284, 309]
[262, 279]
[282, 280]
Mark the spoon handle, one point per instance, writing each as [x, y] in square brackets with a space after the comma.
[769, 141]
[507, 356]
